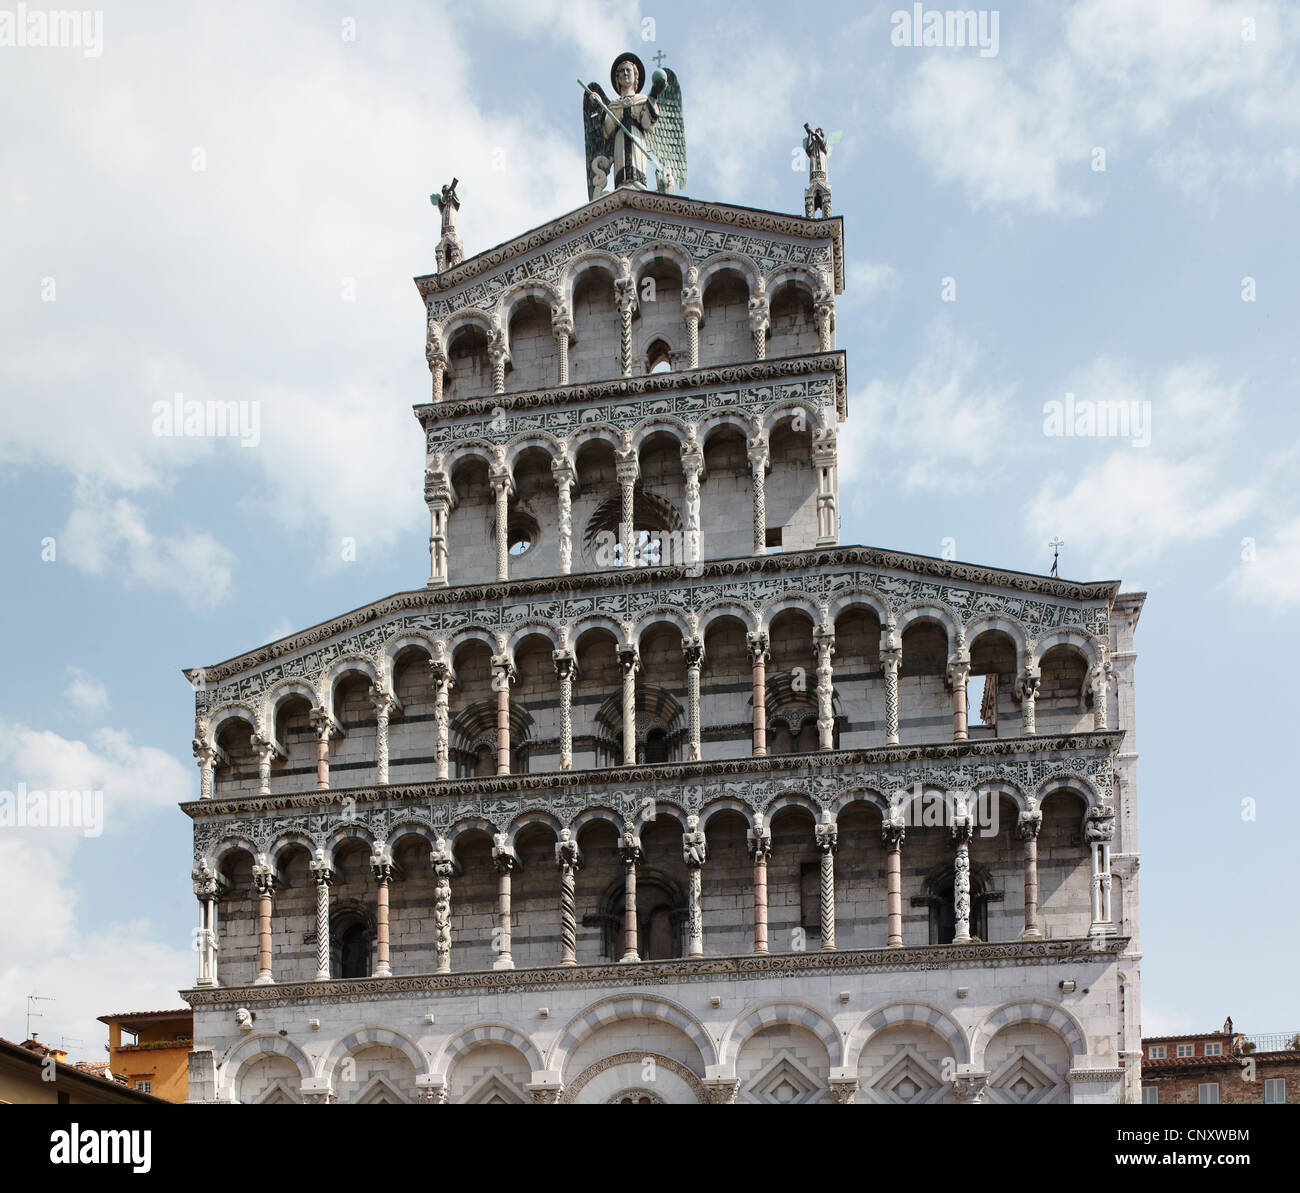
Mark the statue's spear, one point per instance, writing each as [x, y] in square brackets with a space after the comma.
[630, 135]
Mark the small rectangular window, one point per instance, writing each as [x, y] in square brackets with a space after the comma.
[1157, 1052]
[1275, 1090]
[1207, 1093]
[1185, 1050]
[145, 1087]
[1213, 1049]
[773, 536]
[1150, 1095]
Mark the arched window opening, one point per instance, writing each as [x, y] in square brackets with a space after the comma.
[659, 358]
[351, 947]
[656, 746]
[940, 898]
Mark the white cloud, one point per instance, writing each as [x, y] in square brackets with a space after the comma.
[1134, 506]
[43, 948]
[1004, 142]
[867, 280]
[743, 150]
[1272, 577]
[942, 427]
[104, 536]
[85, 693]
[1019, 130]
[130, 776]
[239, 292]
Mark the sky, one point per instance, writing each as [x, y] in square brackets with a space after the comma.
[229, 203]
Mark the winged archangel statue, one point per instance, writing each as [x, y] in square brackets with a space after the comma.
[623, 132]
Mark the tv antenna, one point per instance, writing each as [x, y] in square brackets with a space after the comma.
[31, 998]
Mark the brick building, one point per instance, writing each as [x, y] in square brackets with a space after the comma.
[1222, 1066]
[655, 792]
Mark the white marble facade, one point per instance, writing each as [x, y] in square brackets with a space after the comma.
[632, 800]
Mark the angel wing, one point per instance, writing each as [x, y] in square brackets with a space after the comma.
[668, 138]
[600, 148]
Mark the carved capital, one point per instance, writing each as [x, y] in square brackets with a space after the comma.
[757, 644]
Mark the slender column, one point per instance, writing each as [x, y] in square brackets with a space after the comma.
[825, 455]
[266, 750]
[958, 674]
[759, 322]
[503, 675]
[442, 681]
[443, 867]
[758, 466]
[206, 755]
[630, 851]
[436, 357]
[827, 840]
[569, 860]
[562, 329]
[503, 487]
[630, 663]
[564, 475]
[692, 312]
[324, 876]
[325, 727]
[760, 850]
[627, 468]
[824, 641]
[498, 355]
[693, 649]
[891, 659]
[1027, 689]
[565, 666]
[625, 297]
[264, 884]
[961, 834]
[1027, 826]
[758, 654]
[1100, 679]
[893, 834]
[206, 890]
[437, 497]
[384, 704]
[505, 861]
[824, 315]
[692, 467]
[695, 851]
[382, 867]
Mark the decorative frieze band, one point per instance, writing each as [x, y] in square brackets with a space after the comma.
[769, 239]
[562, 413]
[896, 582]
[626, 975]
[755, 784]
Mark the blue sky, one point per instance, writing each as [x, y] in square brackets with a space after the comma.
[230, 204]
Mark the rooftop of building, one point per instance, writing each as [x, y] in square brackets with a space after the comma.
[759, 219]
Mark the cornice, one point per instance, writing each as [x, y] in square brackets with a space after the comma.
[663, 774]
[753, 218]
[607, 581]
[624, 975]
[772, 368]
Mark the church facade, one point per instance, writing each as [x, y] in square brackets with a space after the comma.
[654, 791]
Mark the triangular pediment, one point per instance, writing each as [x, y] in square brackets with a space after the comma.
[627, 218]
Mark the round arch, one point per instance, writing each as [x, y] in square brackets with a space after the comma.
[906, 1012]
[776, 1013]
[621, 1007]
